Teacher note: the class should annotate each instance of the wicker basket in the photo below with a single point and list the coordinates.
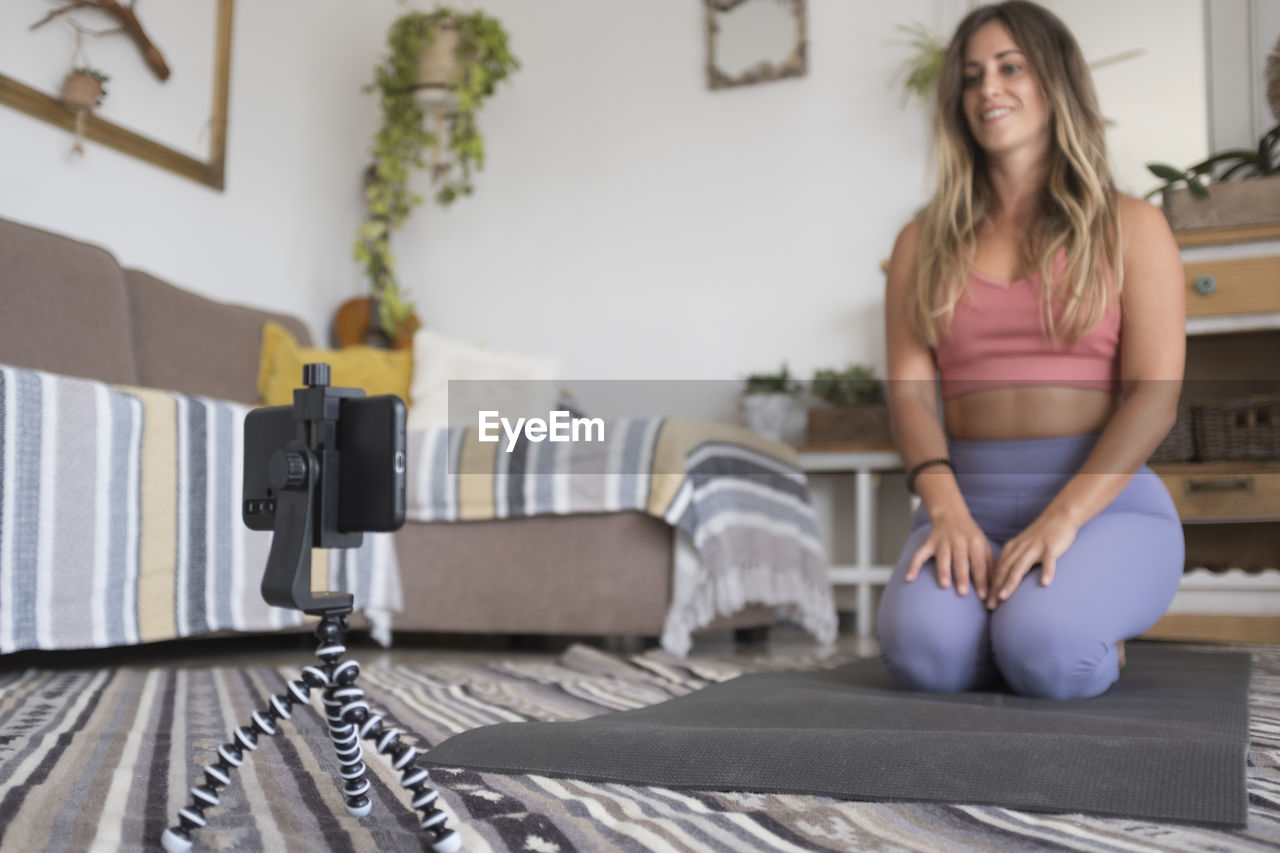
(1242, 428)
(1178, 445)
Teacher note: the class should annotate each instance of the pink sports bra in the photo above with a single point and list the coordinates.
(998, 339)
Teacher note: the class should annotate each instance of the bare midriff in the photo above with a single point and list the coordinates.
(1034, 411)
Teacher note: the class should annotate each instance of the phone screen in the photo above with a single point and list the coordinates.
(371, 441)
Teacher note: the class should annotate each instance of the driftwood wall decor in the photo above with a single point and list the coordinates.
(49, 108)
(129, 25)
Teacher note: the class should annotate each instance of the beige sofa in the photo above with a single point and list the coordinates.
(68, 307)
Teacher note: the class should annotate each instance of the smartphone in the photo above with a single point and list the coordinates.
(371, 478)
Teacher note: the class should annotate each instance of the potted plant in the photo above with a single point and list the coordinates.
(851, 408)
(84, 88)
(768, 405)
(440, 68)
(1243, 188)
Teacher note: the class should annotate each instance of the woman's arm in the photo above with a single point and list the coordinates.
(1153, 351)
(912, 388)
(956, 542)
(1153, 346)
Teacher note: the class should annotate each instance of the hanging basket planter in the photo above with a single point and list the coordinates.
(82, 90)
(438, 66)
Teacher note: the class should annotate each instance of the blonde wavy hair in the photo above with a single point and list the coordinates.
(1078, 208)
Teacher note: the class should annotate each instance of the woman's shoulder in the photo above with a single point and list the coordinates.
(1146, 239)
(1140, 221)
(904, 247)
(909, 236)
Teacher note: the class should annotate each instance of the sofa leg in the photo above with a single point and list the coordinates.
(757, 636)
(629, 644)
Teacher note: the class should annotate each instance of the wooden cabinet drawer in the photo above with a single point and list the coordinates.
(1239, 286)
(1222, 491)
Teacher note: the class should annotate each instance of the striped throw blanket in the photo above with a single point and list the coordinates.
(120, 521)
(740, 499)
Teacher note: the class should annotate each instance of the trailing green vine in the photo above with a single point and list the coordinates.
(403, 140)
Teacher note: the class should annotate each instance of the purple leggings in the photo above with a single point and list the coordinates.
(1056, 642)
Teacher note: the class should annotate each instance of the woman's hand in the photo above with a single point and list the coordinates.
(960, 549)
(1043, 542)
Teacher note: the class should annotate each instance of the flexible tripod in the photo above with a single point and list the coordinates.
(304, 514)
(350, 720)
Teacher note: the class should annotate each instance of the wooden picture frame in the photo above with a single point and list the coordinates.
(211, 173)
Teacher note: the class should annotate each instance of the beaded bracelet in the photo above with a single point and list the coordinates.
(915, 472)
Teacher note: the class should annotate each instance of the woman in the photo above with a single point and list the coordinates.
(1042, 541)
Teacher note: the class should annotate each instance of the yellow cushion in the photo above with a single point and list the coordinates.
(377, 371)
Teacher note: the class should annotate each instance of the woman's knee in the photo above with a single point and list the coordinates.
(934, 655)
(931, 639)
(1050, 661)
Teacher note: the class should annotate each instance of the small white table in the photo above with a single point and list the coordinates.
(863, 574)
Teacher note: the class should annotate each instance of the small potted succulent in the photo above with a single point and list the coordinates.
(851, 408)
(770, 406)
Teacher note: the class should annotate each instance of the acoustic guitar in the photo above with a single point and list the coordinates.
(356, 322)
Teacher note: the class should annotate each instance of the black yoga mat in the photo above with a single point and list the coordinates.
(1166, 742)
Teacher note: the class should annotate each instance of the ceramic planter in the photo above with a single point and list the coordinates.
(773, 416)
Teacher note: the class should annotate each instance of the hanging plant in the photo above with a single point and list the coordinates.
(417, 121)
(919, 73)
(84, 88)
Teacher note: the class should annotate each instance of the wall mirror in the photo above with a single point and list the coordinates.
(754, 41)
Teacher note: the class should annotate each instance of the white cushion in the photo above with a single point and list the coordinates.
(530, 388)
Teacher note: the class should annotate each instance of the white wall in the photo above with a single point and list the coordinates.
(1242, 35)
(1155, 103)
(629, 220)
(639, 225)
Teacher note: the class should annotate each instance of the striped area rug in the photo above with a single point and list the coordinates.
(102, 759)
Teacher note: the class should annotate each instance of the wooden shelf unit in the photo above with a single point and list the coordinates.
(1230, 509)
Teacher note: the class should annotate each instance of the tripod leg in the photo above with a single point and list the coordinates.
(231, 755)
(354, 711)
(346, 742)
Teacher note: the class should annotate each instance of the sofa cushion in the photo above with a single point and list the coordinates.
(64, 307)
(377, 371)
(195, 345)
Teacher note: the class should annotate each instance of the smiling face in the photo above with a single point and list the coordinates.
(1003, 103)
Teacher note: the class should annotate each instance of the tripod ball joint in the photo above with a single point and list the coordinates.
(350, 720)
